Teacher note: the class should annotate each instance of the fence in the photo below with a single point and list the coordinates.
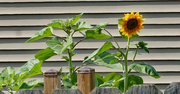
(86, 85)
(173, 88)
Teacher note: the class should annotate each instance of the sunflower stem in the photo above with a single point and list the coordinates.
(126, 68)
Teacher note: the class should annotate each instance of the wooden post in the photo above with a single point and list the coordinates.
(85, 79)
(51, 81)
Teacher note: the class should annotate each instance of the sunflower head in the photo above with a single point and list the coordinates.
(131, 24)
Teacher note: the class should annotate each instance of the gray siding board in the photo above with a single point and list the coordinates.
(149, 30)
(156, 54)
(97, 7)
(39, 20)
(154, 43)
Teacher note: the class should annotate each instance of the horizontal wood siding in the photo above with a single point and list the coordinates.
(21, 19)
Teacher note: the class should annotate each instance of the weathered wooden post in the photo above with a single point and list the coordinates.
(85, 79)
(52, 81)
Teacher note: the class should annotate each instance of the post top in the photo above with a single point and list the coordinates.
(51, 72)
(85, 70)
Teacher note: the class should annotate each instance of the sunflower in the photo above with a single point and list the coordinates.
(131, 24)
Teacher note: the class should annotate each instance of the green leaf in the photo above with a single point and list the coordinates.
(132, 80)
(57, 24)
(44, 54)
(126, 38)
(30, 84)
(75, 18)
(55, 44)
(145, 68)
(60, 70)
(143, 46)
(110, 62)
(67, 83)
(66, 58)
(107, 83)
(96, 82)
(46, 32)
(103, 24)
(74, 78)
(82, 26)
(146, 49)
(69, 41)
(112, 76)
(29, 69)
(74, 87)
(92, 34)
(58, 48)
(105, 47)
(7, 74)
(99, 79)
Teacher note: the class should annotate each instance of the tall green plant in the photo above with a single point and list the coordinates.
(58, 45)
(128, 28)
(10, 79)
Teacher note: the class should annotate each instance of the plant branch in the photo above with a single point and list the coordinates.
(134, 58)
(82, 66)
(60, 37)
(78, 43)
(119, 48)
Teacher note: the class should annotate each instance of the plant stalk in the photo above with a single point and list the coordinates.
(126, 68)
(70, 63)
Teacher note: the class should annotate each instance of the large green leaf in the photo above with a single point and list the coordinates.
(105, 47)
(92, 34)
(123, 36)
(75, 18)
(82, 26)
(105, 59)
(55, 44)
(30, 84)
(132, 80)
(112, 76)
(46, 32)
(29, 69)
(7, 74)
(145, 68)
(99, 79)
(69, 41)
(44, 54)
(57, 24)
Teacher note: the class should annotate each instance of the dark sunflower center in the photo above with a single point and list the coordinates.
(132, 23)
